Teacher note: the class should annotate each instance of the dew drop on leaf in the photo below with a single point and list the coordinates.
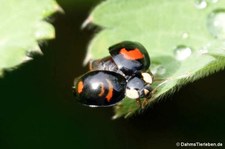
(158, 69)
(216, 23)
(182, 52)
(205, 49)
(200, 4)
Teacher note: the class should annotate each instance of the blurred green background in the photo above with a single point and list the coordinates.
(38, 111)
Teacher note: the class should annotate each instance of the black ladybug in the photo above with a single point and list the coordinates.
(100, 88)
(130, 57)
(127, 57)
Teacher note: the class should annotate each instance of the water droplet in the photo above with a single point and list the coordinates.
(184, 35)
(200, 4)
(182, 52)
(161, 70)
(204, 49)
(157, 69)
(216, 23)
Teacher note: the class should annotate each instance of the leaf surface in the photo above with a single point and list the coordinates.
(22, 26)
(185, 39)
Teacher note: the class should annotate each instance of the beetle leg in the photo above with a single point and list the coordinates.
(146, 100)
(144, 103)
(159, 80)
(90, 65)
(139, 102)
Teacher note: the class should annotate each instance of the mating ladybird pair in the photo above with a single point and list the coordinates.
(110, 79)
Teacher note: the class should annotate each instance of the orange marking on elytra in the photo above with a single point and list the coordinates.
(80, 87)
(132, 54)
(110, 92)
(102, 90)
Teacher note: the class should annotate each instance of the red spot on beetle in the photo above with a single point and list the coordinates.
(132, 54)
(80, 87)
(110, 92)
(102, 90)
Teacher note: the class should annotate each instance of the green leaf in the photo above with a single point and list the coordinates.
(185, 39)
(22, 25)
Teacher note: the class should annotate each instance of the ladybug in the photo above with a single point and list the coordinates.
(126, 58)
(101, 88)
